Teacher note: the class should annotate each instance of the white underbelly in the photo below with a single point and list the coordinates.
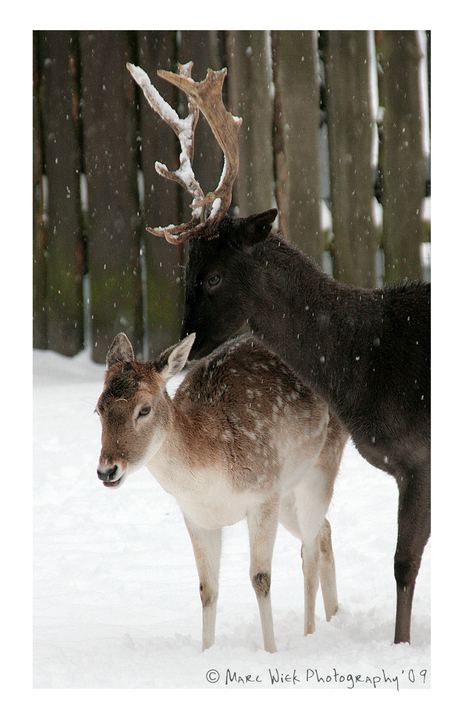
(218, 509)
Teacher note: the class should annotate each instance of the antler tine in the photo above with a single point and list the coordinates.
(208, 97)
(185, 132)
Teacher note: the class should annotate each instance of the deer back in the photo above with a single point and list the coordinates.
(366, 352)
(239, 419)
(253, 414)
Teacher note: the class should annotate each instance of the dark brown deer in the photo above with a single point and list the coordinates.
(366, 352)
(242, 438)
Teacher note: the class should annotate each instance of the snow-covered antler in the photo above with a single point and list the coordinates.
(185, 132)
(207, 97)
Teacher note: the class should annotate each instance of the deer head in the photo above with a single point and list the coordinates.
(223, 280)
(134, 407)
(218, 266)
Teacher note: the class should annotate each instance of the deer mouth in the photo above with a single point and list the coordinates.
(117, 483)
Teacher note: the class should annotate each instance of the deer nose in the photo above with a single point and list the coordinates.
(108, 473)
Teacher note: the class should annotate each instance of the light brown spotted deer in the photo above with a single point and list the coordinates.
(241, 439)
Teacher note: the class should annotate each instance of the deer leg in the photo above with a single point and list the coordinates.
(207, 547)
(413, 533)
(311, 504)
(327, 571)
(262, 526)
(310, 561)
(291, 513)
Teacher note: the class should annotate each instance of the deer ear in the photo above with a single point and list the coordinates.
(177, 358)
(121, 351)
(257, 227)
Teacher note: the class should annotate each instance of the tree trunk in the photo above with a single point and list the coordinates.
(113, 217)
(64, 246)
(205, 49)
(404, 162)
(350, 135)
(296, 140)
(250, 98)
(40, 339)
(162, 198)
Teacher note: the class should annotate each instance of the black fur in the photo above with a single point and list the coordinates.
(366, 352)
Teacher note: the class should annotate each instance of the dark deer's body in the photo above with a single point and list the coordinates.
(242, 439)
(366, 352)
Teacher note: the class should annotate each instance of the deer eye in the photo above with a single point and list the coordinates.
(214, 280)
(145, 410)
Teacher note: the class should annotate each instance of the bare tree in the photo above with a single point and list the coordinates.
(350, 134)
(296, 140)
(404, 162)
(250, 98)
(113, 203)
(63, 254)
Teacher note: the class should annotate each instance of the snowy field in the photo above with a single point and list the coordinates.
(116, 601)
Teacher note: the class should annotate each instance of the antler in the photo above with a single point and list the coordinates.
(185, 131)
(207, 97)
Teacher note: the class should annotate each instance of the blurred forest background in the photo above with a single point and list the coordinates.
(335, 134)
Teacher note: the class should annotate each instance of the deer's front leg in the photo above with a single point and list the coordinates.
(262, 525)
(207, 547)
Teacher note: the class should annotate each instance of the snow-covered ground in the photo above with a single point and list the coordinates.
(116, 601)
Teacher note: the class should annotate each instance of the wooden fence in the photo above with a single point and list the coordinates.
(335, 134)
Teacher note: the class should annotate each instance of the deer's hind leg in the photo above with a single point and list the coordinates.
(311, 505)
(327, 571)
(207, 547)
(414, 526)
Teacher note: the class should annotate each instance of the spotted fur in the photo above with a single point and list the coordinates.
(243, 438)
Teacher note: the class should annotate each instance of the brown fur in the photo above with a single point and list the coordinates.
(242, 438)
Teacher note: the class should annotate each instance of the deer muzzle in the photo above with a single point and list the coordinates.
(110, 474)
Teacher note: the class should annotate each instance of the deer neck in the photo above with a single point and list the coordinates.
(181, 456)
(311, 321)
